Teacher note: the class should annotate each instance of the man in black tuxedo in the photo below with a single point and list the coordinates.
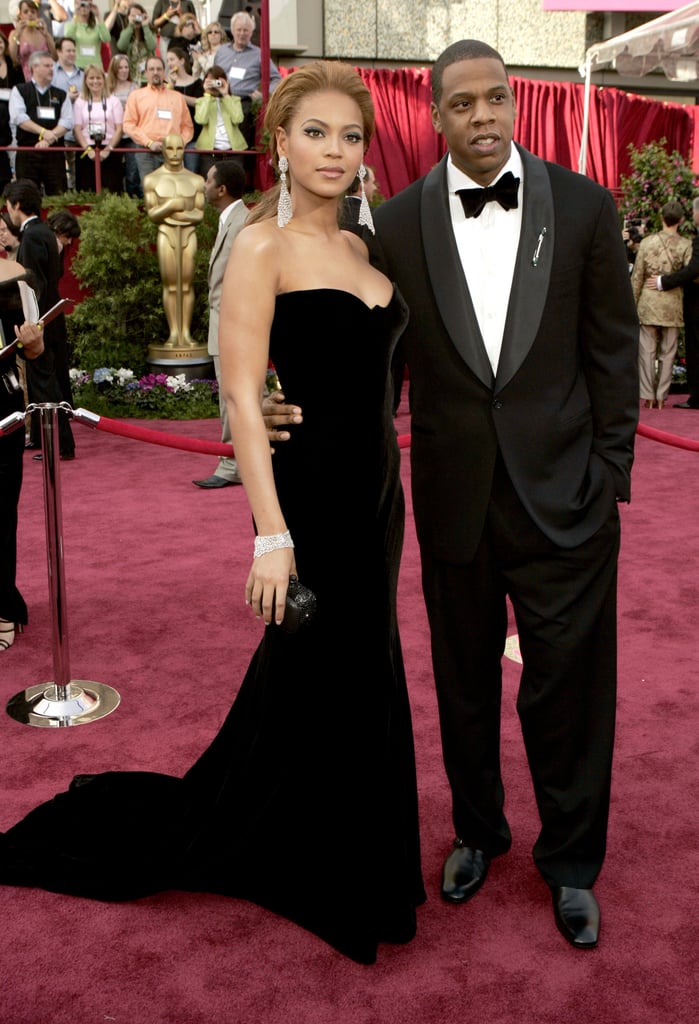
(688, 279)
(522, 352)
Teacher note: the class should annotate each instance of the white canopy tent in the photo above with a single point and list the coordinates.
(669, 44)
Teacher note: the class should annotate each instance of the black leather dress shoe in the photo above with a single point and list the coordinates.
(216, 481)
(684, 405)
(577, 916)
(464, 872)
(68, 457)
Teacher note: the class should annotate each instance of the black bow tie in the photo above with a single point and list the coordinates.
(504, 191)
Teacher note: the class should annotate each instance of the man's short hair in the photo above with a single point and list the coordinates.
(672, 213)
(39, 55)
(60, 42)
(464, 49)
(25, 193)
(243, 16)
(231, 175)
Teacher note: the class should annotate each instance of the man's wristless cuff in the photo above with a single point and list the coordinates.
(272, 542)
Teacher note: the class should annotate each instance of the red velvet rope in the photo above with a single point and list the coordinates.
(188, 444)
(191, 444)
(653, 434)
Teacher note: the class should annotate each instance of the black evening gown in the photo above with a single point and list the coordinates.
(306, 801)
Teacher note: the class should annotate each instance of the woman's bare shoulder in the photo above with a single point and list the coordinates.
(259, 241)
(357, 244)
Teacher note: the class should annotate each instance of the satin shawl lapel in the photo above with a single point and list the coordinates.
(531, 279)
(447, 276)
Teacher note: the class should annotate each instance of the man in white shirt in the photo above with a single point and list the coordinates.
(69, 77)
(42, 115)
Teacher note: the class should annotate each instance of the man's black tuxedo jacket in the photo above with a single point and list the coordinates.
(563, 407)
(38, 253)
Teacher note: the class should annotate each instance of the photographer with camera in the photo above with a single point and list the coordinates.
(138, 42)
(166, 19)
(88, 32)
(31, 35)
(188, 38)
(219, 114)
(97, 123)
(116, 21)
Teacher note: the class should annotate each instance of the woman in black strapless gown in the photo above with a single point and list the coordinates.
(305, 802)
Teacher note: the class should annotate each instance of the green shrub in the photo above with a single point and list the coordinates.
(657, 177)
(116, 266)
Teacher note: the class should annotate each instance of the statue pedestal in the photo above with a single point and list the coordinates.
(195, 363)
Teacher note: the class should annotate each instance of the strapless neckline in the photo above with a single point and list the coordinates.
(337, 291)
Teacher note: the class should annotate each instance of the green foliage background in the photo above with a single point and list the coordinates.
(116, 266)
(657, 176)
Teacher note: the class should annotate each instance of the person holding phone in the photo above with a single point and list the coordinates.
(166, 18)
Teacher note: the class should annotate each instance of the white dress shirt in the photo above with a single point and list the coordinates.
(488, 251)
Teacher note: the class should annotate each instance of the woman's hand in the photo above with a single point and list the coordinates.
(267, 583)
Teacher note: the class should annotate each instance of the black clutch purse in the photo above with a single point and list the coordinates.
(300, 606)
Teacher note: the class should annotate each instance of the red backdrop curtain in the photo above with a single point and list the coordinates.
(549, 123)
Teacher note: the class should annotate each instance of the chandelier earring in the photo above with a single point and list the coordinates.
(365, 218)
(284, 208)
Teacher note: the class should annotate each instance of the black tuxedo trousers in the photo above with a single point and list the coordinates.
(564, 602)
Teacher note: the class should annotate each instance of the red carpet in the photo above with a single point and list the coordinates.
(154, 575)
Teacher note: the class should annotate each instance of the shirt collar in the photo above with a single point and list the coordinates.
(227, 211)
(456, 179)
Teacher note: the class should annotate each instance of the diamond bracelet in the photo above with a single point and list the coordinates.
(272, 542)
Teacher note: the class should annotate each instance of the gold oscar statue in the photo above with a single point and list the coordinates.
(174, 200)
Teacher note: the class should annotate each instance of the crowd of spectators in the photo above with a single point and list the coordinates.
(62, 131)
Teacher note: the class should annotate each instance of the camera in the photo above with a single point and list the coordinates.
(97, 137)
(216, 84)
(85, 3)
(137, 18)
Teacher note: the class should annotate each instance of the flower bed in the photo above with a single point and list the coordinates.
(118, 393)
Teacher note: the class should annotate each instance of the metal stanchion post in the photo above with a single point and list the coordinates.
(62, 702)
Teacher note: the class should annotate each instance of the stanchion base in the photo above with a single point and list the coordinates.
(85, 702)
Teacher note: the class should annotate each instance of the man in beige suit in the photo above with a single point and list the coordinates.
(223, 189)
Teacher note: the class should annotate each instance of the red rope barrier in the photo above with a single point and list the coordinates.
(653, 434)
(191, 444)
(188, 444)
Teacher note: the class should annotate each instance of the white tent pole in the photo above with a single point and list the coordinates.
(582, 161)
